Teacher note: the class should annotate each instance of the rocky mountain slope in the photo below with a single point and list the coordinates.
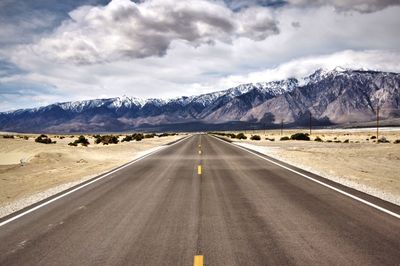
(331, 97)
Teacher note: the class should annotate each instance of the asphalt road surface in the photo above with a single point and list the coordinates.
(226, 204)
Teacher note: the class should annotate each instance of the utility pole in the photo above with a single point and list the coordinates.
(281, 127)
(310, 122)
(377, 123)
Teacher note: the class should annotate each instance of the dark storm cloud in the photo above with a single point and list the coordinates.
(9, 69)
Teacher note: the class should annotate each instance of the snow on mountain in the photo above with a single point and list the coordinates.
(321, 74)
(126, 101)
(78, 106)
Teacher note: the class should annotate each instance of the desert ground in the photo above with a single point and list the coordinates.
(30, 171)
(361, 163)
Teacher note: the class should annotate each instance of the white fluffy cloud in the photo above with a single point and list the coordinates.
(124, 29)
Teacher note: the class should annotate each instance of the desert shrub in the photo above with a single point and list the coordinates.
(112, 139)
(44, 139)
(255, 137)
(329, 140)
(98, 140)
(81, 140)
(346, 141)
(284, 138)
(62, 137)
(127, 138)
(270, 139)
(137, 136)
(337, 141)
(134, 136)
(318, 139)
(107, 139)
(397, 141)
(149, 136)
(241, 136)
(383, 140)
(26, 137)
(300, 136)
(165, 135)
(8, 136)
(373, 137)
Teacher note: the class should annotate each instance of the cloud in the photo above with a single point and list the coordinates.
(124, 29)
(8, 69)
(27, 21)
(304, 66)
(364, 6)
(239, 4)
(24, 29)
(243, 50)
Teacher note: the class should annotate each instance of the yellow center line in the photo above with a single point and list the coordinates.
(198, 260)
(199, 169)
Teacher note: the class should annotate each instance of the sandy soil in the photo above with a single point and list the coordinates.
(361, 164)
(28, 168)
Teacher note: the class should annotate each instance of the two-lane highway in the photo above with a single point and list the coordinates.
(202, 196)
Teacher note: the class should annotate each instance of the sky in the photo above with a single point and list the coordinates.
(57, 51)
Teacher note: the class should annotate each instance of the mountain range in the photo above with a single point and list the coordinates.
(335, 97)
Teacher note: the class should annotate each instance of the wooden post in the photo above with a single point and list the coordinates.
(281, 127)
(377, 123)
(310, 122)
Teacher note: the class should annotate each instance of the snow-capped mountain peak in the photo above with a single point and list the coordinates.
(339, 95)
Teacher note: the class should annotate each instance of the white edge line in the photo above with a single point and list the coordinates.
(319, 182)
(89, 183)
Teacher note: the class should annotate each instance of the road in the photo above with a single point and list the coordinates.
(241, 210)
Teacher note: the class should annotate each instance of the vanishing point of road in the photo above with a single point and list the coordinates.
(203, 200)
